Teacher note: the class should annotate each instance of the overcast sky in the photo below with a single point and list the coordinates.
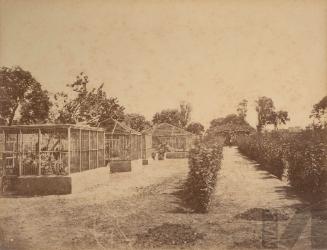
(154, 54)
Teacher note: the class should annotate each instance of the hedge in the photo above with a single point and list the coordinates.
(204, 163)
(301, 156)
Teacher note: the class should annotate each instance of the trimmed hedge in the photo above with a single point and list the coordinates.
(204, 164)
(269, 149)
(307, 162)
(302, 156)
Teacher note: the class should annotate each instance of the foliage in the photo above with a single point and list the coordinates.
(242, 109)
(91, 107)
(177, 117)
(268, 149)
(36, 106)
(307, 170)
(137, 122)
(185, 113)
(170, 116)
(204, 164)
(319, 114)
(302, 155)
(195, 128)
(20, 91)
(267, 114)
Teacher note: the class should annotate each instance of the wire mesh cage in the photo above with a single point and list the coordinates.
(50, 149)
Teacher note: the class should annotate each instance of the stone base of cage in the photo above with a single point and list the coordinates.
(145, 162)
(176, 155)
(42, 185)
(117, 166)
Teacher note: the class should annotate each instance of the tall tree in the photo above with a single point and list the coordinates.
(195, 128)
(91, 107)
(137, 122)
(265, 109)
(177, 117)
(242, 109)
(171, 116)
(19, 91)
(280, 117)
(319, 114)
(267, 114)
(185, 113)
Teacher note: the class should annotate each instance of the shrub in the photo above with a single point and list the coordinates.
(269, 149)
(307, 162)
(204, 164)
(302, 155)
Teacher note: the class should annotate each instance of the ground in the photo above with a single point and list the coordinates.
(120, 214)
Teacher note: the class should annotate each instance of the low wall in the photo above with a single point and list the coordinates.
(176, 155)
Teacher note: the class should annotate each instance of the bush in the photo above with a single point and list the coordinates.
(307, 162)
(204, 164)
(269, 149)
(301, 155)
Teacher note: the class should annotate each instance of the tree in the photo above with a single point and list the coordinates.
(21, 95)
(195, 128)
(36, 106)
(171, 116)
(267, 114)
(179, 118)
(319, 114)
(242, 109)
(280, 117)
(91, 107)
(137, 122)
(185, 113)
(265, 109)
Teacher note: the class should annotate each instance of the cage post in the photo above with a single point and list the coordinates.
(80, 150)
(20, 152)
(39, 149)
(104, 149)
(97, 149)
(68, 156)
(89, 149)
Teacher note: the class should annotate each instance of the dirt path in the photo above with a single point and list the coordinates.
(111, 216)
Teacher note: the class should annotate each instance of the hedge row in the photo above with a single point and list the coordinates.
(301, 156)
(204, 163)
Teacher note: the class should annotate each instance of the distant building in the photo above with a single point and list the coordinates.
(296, 129)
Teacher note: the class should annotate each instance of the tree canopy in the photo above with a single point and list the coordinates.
(137, 122)
(177, 117)
(319, 114)
(23, 97)
(91, 107)
(195, 128)
(267, 115)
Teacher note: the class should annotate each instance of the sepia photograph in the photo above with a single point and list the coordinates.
(173, 124)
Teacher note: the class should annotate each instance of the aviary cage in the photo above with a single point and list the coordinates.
(50, 149)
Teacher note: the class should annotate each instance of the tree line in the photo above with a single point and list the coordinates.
(23, 100)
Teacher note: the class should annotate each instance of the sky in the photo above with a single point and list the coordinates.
(153, 54)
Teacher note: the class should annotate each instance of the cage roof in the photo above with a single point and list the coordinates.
(115, 127)
(166, 129)
(49, 127)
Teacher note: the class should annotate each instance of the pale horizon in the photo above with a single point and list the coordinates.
(153, 55)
